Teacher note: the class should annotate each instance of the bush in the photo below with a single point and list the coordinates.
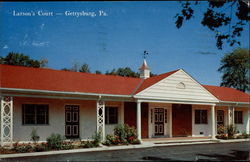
(41, 147)
(123, 134)
(222, 136)
(22, 148)
(243, 136)
(34, 136)
(96, 139)
(231, 131)
(112, 140)
(55, 141)
(6, 150)
(87, 144)
(136, 141)
(221, 129)
(121, 131)
(67, 146)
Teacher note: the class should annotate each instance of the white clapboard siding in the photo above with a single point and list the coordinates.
(168, 89)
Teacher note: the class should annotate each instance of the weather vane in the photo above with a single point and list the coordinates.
(145, 54)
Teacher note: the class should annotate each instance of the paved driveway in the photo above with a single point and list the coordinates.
(221, 152)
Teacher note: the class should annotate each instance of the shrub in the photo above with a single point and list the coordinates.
(221, 129)
(34, 136)
(222, 136)
(67, 146)
(96, 139)
(131, 134)
(243, 135)
(55, 141)
(136, 141)
(123, 134)
(87, 144)
(231, 131)
(41, 147)
(6, 150)
(108, 140)
(22, 148)
(112, 139)
(121, 131)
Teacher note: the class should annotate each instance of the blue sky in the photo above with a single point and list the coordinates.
(116, 40)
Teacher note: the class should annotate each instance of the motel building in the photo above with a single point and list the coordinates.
(77, 104)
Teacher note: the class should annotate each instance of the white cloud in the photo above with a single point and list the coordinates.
(23, 43)
(40, 44)
(5, 46)
(26, 36)
(42, 26)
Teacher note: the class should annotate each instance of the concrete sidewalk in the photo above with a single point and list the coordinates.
(145, 144)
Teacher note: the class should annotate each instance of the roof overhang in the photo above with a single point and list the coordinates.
(233, 103)
(173, 101)
(62, 95)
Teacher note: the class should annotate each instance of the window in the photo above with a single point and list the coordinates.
(238, 115)
(111, 115)
(35, 114)
(200, 116)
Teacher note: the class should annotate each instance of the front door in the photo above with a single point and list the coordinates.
(220, 121)
(72, 121)
(181, 120)
(159, 121)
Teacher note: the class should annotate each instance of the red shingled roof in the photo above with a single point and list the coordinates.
(228, 94)
(57, 80)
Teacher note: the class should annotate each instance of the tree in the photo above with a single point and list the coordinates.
(76, 67)
(113, 72)
(126, 72)
(43, 63)
(235, 67)
(225, 18)
(98, 72)
(22, 60)
(84, 68)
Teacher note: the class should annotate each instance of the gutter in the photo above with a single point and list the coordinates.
(60, 92)
(233, 102)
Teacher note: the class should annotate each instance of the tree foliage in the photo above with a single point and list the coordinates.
(20, 59)
(98, 72)
(235, 67)
(76, 67)
(126, 72)
(84, 68)
(219, 15)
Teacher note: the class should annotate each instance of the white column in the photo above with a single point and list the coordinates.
(100, 116)
(138, 120)
(6, 126)
(170, 122)
(231, 115)
(1, 107)
(122, 113)
(213, 120)
(248, 121)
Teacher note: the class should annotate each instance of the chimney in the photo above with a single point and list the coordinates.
(144, 70)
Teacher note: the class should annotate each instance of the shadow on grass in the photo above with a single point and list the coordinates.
(234, 155)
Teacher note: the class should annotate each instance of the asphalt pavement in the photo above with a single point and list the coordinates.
(200, 152)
